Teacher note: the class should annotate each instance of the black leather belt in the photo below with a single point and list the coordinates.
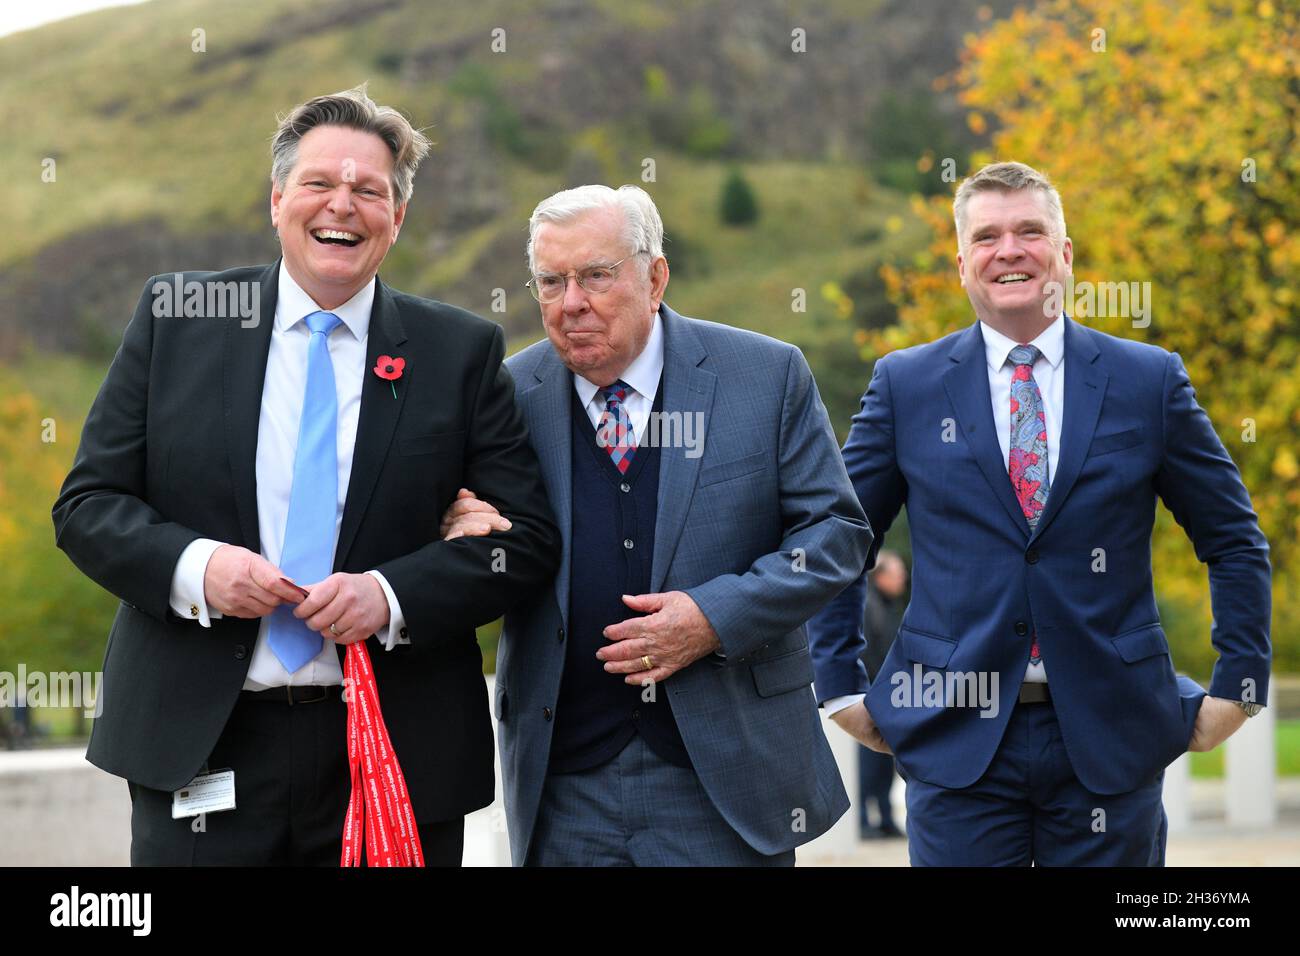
(309, 694)
(1035, 693)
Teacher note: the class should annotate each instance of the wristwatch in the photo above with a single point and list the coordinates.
(1250, 709)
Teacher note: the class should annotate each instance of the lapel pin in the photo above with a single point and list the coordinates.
(389, 368)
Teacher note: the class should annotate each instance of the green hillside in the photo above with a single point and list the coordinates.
(161, 159)
(161, 162)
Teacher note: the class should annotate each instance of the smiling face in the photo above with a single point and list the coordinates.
(598, 334)
(336, 215)
(1007, 258)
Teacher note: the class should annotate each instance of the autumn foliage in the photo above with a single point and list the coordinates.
(1170, 129)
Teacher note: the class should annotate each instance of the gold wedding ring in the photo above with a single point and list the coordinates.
(646, 663)
(335, 631)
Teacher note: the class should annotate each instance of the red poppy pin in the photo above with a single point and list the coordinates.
(389, 368)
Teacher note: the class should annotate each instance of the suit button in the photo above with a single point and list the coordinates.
(559, 635)
(627, 543)
(1031, 556)
(240, 652)
(546, 713)
(625, 487)
(636, 715)
(1022, 628)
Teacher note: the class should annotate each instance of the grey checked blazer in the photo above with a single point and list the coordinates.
(761, 530)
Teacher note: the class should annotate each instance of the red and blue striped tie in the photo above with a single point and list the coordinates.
(614, 430)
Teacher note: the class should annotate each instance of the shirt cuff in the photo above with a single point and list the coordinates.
(396, 623)
(835, 704)
(187, 598)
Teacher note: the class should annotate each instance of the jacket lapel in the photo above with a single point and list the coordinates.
(688, 389)
(377, 418)
(243, 375)
(546, 404)
(1085, 386)
(967, 385)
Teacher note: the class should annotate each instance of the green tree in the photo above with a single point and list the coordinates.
(738, 206)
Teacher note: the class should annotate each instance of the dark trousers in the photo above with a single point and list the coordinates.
(875, 778)
(1030, 808)
(291, 795)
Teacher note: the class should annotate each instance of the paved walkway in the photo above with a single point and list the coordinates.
(57, 810)
(1209, 841)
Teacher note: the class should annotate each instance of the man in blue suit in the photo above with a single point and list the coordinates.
(655, 707)
(1030, 698)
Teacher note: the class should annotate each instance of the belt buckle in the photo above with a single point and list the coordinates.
(289, 690)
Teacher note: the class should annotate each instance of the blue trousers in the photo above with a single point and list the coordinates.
(1029, 808)
(636, 810)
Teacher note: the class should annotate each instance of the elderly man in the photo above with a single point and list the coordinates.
(1030, 697)
(316, 439)
(655, 706)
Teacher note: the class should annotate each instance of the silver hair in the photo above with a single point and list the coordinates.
(352, 109)
(1007, 177)
(643, 230)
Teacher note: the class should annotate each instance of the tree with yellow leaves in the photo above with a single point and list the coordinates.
(1170, 130)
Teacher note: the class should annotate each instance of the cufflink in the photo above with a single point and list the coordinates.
(402, 632)
(194, 610)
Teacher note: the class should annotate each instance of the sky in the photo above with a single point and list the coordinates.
(24, 16)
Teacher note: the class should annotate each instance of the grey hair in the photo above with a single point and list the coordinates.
(643, 230)
(1007, 177)
(352, 109)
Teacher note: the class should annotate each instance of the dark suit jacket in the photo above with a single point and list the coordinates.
(167, 456)
(1131, 432)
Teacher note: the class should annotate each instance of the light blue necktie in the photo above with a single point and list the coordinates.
(308, 553)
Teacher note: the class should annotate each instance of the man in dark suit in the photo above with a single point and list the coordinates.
(654, 706)
(317, 439)
(887, 584)
(1030, 697)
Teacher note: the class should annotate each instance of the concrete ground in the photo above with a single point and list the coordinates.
(57, 810)
(1208, 842)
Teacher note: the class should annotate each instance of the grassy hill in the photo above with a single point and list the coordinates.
(161, 151)
(161, 160)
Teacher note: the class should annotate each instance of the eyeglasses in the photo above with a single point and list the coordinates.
(549, 287)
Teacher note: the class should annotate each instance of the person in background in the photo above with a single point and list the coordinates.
(887, 588)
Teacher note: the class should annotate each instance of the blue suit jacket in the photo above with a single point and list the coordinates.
(761, 530)
(1131, 431)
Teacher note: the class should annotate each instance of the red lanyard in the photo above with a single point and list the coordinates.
(378, 787)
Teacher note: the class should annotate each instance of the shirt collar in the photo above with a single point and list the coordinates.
(292, 305)
(644, 372)
(1051, 342)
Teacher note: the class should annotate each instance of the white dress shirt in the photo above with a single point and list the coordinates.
(1049, 373)
(277, 442)
(643, 375)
